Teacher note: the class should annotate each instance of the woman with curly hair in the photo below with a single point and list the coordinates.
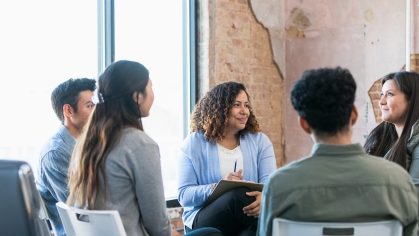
(225, 134)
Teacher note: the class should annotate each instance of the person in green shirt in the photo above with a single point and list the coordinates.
(338, 181)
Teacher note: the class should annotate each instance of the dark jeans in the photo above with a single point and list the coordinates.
(226, 214)
(206, 231)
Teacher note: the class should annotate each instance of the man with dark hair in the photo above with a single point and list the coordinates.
(72, 103)
(338, 181)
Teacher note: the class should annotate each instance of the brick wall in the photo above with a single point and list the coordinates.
(239, 49)
(414, 62)
(375, 94)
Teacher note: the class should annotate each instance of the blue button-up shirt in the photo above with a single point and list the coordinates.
(52, 174)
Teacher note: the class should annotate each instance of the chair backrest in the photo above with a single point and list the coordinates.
(282, 227)
(79, 222)
(20, 202)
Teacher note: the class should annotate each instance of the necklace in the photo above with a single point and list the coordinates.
(226, 151)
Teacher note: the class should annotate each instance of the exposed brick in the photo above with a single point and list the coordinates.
(414, 62)
(243, 8)
(243, 17)
(232, 15)
(238, 42)
(230, 59)
(240, 50)
(236, 25)
(244, 61)
(221, 4)
(375, 96)
(231, 5)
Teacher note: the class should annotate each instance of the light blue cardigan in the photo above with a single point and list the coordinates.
(199, 167)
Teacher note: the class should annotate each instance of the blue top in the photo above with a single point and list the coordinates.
(52, 173)
(199, 167)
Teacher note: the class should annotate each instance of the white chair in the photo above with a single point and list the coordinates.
(78, 222)
(282, 227)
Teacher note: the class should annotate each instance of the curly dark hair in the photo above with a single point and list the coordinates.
(210, 115)
(325, 98)
(68, 92)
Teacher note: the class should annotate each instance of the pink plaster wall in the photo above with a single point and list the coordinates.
(415, 27)
(367, 37)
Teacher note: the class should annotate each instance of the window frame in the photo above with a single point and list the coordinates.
(106, 50)
(106, 56)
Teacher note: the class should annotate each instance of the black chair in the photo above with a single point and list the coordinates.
(20, 204)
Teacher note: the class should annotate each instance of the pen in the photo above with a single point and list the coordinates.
(235, 164)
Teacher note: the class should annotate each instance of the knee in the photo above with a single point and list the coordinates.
(239, 190)
(239, 196)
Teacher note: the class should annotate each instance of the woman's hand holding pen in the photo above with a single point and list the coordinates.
(235, 175)
(254, 208)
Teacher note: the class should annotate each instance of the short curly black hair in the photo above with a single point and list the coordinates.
(325, 98)
(68, 93)
(210, 115)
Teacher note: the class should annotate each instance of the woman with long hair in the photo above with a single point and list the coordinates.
(397, 137)
(226, 142)
(115, 164)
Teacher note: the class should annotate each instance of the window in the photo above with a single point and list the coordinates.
(43, 43)
(46, 42)
(151, 32)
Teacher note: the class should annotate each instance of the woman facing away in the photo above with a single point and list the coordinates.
(115, 164)
(225, 131)
(397, 137)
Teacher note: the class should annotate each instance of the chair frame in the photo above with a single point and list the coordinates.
(99, 222)
(283, 227)
(21, 209)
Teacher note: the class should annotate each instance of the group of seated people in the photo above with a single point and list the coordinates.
(101, 158)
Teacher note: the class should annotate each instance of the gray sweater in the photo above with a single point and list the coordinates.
(135, 185)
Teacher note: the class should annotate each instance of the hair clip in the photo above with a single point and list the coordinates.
(97, 98)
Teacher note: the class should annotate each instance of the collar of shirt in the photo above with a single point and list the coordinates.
(67, 137)
(340, 150)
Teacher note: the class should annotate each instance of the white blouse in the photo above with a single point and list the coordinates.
(227, 159)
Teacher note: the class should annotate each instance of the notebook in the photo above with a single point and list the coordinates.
(224, 186)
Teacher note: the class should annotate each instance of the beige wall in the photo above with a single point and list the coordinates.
(267, 44)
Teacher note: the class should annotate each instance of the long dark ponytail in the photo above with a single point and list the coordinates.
(116, 110)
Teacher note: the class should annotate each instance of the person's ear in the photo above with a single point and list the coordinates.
(68, 111)
(304, 125)
(354, 115)
(138, 97)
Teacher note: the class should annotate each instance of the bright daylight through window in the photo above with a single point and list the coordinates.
(46, 42)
